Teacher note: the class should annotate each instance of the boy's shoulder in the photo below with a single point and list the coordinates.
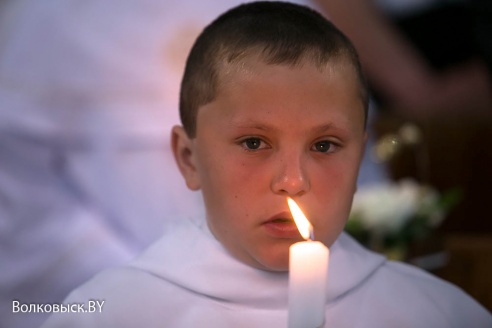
(108, 299)
(419, 280)
(128, 296)
(390, 294)
(406, 290)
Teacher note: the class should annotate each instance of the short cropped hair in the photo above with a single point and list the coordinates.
(280, 32)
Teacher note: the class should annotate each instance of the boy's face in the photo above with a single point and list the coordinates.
(271, 132)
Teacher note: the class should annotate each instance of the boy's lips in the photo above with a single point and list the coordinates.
(281, 225)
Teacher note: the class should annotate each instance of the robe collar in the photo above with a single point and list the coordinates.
(190, 257)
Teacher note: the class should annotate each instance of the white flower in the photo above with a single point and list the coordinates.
(385, 208)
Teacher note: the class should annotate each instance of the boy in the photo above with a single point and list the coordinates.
(273, 104)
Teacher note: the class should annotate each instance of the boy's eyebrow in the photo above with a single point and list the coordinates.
(324, 127)
(253, 125)
(268, 127)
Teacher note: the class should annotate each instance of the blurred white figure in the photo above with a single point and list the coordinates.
(88, 93)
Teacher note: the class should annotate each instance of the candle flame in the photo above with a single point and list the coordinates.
(302, 223)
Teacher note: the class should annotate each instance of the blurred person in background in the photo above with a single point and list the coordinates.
(88, 93)
(423, 58)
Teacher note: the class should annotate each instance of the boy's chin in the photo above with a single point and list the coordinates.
(272, 257)
(272, 264)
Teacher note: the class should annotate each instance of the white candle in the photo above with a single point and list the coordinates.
(308, 268)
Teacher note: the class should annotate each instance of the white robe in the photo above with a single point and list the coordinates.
(187, 279)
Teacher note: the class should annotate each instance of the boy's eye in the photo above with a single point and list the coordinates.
(252, 143)
(324, 146)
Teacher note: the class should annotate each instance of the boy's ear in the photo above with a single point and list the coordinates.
(184, 155)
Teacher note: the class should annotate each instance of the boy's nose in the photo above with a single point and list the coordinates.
(291, 178)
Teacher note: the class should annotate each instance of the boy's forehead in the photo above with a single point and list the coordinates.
(255, 71)
(254, 67)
